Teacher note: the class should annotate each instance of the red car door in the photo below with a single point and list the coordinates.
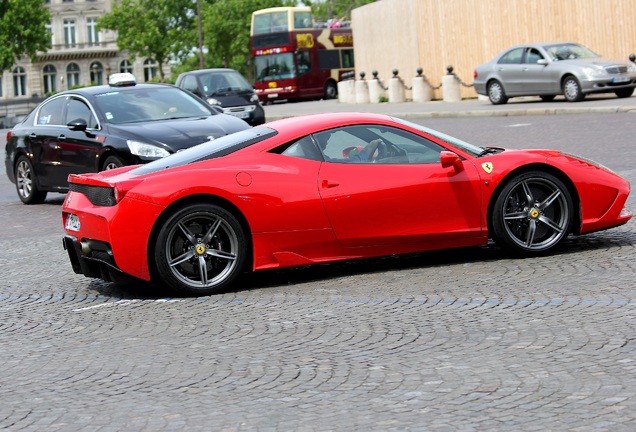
(375, 204)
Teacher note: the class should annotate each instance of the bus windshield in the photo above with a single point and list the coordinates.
(274, 67)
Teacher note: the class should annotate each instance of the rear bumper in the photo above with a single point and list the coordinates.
(94, 260)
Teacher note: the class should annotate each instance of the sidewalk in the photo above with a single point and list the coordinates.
(604, 103)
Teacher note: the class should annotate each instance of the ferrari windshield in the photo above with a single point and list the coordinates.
(462, 145)
(143, 104)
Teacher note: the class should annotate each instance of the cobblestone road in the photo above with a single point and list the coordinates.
(463, 340)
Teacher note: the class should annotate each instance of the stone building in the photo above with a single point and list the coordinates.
(80, 55)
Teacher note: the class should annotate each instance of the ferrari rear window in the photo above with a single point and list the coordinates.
(209, 150)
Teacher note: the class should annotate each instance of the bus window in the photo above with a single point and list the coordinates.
(329, 59)
(347, 58)
(303, 59)
(273, 67)
(302, 20)
(270, 23)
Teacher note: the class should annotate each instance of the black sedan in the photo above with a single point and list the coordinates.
(103, 127)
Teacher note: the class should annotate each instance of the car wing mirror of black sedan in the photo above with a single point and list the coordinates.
(450, 159)
(78, 124)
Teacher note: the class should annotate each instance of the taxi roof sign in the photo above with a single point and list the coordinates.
(122, 79)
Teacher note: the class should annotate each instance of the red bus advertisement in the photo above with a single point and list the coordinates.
(293, 59)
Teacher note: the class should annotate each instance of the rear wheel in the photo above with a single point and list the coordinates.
(572, 90)
(200, 249)
(331, 91)
(624, 93)
(496, 93)
(532, 214)
(26, 182)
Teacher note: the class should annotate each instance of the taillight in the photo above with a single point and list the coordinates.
(475, 74)
(9, 134)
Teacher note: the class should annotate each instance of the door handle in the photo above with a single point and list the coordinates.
(32, 135)
(328, 184)
(61, 137)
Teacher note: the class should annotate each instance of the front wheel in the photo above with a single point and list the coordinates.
(572, 90)
(532, 214)
(200, 249)
(26, 182)
(112, 162)
(331, 91)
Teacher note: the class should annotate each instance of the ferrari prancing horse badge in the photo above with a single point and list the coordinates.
(487, 166)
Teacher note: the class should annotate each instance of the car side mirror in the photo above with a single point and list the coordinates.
(78, 124)
(449, 159)
(542, 62)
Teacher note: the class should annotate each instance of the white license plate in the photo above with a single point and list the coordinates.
(272, 95)
(72, 222)
(239, 114)
(620, 79)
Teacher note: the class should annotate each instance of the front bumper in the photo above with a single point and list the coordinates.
(608, 84)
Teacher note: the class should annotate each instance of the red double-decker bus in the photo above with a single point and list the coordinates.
(293, 59)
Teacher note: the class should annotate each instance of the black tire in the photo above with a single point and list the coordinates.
(572, 89)
(624, 93)
(547, 98)
(532, 214)
(331, 90)
(200, 236)
(496, 93)
(112, 162)
(26, 182)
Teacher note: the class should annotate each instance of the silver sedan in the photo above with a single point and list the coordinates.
(551, 69)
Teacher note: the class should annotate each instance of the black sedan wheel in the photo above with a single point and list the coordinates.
(200, 249)
(532, 213)
(572, 90)
(112, 162)
(26, 183)
(496, 93)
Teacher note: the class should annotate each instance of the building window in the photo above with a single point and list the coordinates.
(91, 30)
(49, 28)
(125, 66)
(150, 70)
(72, 75)
(19, 81)
(50, 75)
(69, 33)
(97, 73)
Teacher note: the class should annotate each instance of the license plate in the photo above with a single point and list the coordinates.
(239, 114)
(72, 222)
(620, 79)
(272, 95)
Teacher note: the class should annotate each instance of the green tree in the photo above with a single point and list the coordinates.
(22, 30)
(226, 31)
(160, 30)
(326, 9)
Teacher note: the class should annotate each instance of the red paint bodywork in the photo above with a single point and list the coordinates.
(300, 211)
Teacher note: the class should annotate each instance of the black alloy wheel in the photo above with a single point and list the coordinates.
(201, 249)
(112, 162)
(26, 182)
(532, 213)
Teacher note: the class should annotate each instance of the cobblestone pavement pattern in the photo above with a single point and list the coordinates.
(456, 340)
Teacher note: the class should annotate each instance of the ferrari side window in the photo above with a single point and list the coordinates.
(373, 144)
(304, 148)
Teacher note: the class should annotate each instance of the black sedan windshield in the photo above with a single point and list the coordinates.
(131, 105)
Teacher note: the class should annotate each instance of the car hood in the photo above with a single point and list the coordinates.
(598, 62)
(179, 134)
(233, 99)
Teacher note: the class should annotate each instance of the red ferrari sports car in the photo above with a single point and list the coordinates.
(327, 187)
